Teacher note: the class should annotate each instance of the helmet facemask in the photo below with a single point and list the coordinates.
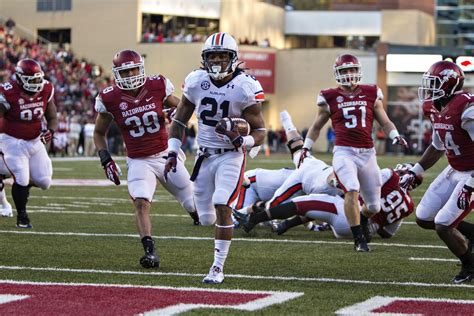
(348, 78)
(132, 82)
(31, 83)
(214, 70)
(431, 88)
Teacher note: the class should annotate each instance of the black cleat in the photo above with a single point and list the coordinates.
(366, 232)
(194, 215)
(150, 260)
(244, 220)
(281, 228)
(360, 245)
(465, 275)
(23, 221)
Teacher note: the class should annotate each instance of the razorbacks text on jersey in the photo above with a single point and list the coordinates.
(395, 202)
(447, 127)
(216, 102)
(352, 114)
(24, 112)
(141, 119)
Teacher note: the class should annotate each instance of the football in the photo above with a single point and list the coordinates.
(228, 124)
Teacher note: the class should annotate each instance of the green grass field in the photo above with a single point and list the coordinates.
(87, 235)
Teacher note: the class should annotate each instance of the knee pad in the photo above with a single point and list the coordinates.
(207, 219)
(373, 208)
(188, 205)
(43, 183)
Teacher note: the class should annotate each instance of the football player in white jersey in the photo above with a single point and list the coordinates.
(217, 91)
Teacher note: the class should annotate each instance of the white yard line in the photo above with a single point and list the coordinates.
(243, 276)
(433, 259)
(257, 240)
(42, 209)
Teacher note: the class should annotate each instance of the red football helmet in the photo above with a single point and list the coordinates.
(443, 79)
(344, 62)
(29, 75)
(128, 59)
(402, 169)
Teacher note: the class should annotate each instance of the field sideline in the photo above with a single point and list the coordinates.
(87, 234)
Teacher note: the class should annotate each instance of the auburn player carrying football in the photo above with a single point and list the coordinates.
(448, 199)
(136, 103)
(217, 91)
(24, 103)
(352, 108)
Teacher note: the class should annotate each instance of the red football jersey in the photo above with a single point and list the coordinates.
(395, 203)
(352, 114)
(25, 112)
(141, 119)
(457, 142)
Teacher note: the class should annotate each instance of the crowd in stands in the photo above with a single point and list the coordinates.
(76, 80)
(155, 33)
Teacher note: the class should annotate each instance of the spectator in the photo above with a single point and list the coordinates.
(73, 136)
(89, 148)
(10, 24)
(330, 136)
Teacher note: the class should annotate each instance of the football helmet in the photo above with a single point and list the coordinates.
(443, 79)
(128, 59)
(344, 62)
(403, 168)
(220, 43)
(29, 75)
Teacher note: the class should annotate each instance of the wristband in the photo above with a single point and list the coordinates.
(174, 144)
(249, 141)
(308, 143)
(417, 169)
(393, 133)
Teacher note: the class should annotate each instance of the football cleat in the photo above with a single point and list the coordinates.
(281, 228)
(194, 215)
(215, 276)
(6, 210)
(23, 221)
(360, 245)
(244, 220)
(465, 275)
(150, 260)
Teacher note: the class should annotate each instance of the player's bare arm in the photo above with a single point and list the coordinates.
(313, 132)
(253, 115)
(183, 114)
(51, 116)
(171, 101)
(387, 125)
(102, 124)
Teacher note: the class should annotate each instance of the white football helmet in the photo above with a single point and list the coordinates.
(216, 43)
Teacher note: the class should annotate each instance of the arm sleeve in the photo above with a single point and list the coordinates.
(379, 94)
(467, 121)
(322, 103)
(436, 142)
(4, 101)
(169, 88)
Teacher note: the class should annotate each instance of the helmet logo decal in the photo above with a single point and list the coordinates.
(448, 73)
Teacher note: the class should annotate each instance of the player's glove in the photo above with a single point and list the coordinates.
(303, 155)
(407, 180)
(399, 140)
(171, 163)
(46, 135)
(112, 170)
(464, 196)
(233, 135)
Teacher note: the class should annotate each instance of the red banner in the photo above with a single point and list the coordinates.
(262, 66)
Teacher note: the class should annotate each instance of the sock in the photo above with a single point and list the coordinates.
(467, 259)
(283, 211)
(3, 196)
(148, 244)
(20, 197)
(357, 232)
(221, 249)
(467, 229)
(285, 119)
(292, 222)
(259, 217)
